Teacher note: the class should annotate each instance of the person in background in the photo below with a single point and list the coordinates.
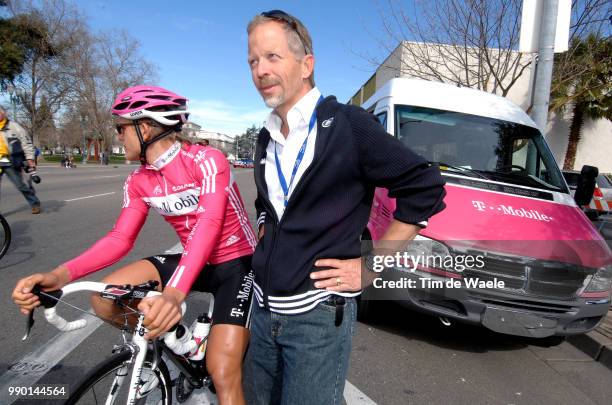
(17, 151)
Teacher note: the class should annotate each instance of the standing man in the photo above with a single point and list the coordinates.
(317, 164)
(16, 150)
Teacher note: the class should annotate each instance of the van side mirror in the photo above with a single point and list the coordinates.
(586, 185)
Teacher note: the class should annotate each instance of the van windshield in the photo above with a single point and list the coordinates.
(470, 144)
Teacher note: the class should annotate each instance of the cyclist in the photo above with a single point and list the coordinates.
(191, 186)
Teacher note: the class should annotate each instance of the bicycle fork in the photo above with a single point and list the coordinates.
(138, 347)
(140, 344)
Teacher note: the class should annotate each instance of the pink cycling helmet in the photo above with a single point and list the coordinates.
(153, 102)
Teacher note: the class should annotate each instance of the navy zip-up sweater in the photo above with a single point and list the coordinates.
(330, 205)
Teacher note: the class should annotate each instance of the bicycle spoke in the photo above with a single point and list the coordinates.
(112, 382)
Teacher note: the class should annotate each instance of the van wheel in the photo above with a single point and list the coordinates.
(592, 215)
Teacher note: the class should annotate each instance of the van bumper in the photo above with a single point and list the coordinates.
(500, 310)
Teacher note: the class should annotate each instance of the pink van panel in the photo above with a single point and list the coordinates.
(506, 223)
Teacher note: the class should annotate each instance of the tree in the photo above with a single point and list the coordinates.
(470, 43)
(70, 132)
(72, 71)
(244, 145)
(20, 38)
(103, 66)
(582, 81)
(43, 76)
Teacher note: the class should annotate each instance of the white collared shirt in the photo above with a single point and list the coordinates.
(288, 148)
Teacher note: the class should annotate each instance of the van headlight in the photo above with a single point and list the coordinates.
(601, 280)
(426, 247)
(426, 253)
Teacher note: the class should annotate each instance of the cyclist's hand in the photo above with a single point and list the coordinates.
(162, 311)
(23, 296)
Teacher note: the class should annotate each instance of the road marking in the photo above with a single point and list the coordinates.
(32, 367)
(89, 196)
(353, 396)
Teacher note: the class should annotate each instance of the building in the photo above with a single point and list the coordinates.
(223, 142)
(190, 129)
(594, 148)
(195, 133)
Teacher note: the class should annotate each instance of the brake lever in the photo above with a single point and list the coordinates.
(29, 324)
(48, 300)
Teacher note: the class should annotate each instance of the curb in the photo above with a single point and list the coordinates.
(596, 345)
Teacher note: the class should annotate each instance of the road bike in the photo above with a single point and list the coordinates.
(5, 230)
(5, 236)
(136, 372)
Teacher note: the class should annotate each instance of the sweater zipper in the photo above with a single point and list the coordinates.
(268, 273)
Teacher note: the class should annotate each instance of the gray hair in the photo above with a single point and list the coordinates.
(298, 38)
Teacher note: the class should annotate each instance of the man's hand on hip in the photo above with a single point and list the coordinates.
(342, 275)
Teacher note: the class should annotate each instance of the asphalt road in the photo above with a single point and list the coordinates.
(402, 358)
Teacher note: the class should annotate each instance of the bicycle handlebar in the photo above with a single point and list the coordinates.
(50, 299)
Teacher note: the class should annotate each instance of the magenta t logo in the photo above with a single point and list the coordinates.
(479, 205)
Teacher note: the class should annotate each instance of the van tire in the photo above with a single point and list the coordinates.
(592, 214)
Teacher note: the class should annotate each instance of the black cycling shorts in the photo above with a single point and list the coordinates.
(231, 283)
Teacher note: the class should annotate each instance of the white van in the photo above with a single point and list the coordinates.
(508, 203)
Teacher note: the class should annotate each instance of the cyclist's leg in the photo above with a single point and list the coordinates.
(224, 354)
(159, 268)
(229, 335)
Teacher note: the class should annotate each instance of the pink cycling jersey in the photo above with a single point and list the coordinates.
(193, 188)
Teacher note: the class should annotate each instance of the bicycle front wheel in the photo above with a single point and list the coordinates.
(109, 383)
(5, 236)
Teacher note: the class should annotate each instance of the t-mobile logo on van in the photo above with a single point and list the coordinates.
(509, 210)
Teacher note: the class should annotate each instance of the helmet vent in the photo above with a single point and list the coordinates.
(138, 104)
(156, 97)
(121, 106)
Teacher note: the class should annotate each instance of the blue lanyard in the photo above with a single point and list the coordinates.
(298, 159)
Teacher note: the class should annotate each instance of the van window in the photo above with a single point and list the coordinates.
(499, 150)
(382, 118)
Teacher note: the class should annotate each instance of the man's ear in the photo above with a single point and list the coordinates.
(307, 66)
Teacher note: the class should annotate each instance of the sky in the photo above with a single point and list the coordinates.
(200, 48)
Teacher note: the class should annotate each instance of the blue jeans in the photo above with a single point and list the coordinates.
(16, 178)
(299, 359)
